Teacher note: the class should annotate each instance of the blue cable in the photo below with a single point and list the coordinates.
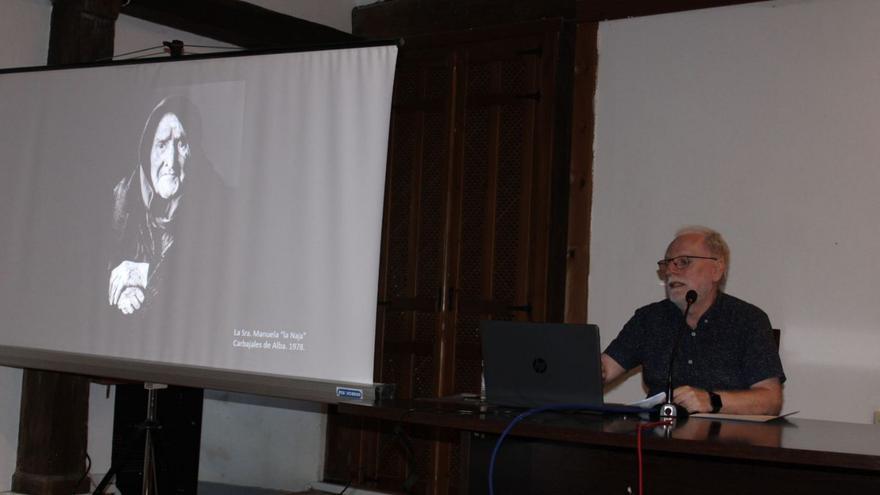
(556, 407)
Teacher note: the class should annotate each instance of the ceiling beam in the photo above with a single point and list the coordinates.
(236, 22)
(604, 10)
(392, 18)
(82, 31)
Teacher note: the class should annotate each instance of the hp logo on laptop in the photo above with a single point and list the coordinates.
(539, 365)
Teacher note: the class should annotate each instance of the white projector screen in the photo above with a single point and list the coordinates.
(211, 222)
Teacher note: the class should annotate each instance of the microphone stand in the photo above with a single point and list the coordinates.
(669, 410)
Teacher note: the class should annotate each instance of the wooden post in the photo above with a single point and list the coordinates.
(52, 433)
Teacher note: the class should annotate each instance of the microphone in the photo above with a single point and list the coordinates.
(669, 409)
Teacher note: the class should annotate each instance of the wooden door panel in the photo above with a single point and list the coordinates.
(412, 287)
(500, 88)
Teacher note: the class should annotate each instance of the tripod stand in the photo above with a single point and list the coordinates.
(150, 428)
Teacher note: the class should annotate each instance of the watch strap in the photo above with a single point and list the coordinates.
(715, 399)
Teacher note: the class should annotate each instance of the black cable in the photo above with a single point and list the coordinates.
(216, 47)
(147, 55)
(164, 51)
(555, 407)
(117, 55)
(399, 435)
(345, 487)
(88, 469)
(398, 438)
(105, 59)
(409, 455)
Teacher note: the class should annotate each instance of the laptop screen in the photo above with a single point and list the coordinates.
(529, 364)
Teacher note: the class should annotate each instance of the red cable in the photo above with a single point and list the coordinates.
(639, 428)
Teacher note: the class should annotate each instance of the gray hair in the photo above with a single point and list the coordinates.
(714, 242)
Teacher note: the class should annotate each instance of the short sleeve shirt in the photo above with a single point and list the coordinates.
(732, 347)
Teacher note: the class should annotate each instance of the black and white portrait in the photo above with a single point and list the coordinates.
(170, 177)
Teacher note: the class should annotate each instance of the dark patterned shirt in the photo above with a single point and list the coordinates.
(732, 347)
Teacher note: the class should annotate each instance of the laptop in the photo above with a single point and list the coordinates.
(527, 364)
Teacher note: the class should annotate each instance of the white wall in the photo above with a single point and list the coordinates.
(246, 440)
(261, 441)
(24, 28)
(10, 405)
(762, 121)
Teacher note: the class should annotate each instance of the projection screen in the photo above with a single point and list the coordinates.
(211, 222)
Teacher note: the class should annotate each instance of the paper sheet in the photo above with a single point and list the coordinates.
(650, 402)
(752, 418)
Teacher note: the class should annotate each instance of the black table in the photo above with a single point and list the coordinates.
(580, 452)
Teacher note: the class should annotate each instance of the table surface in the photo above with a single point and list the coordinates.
(786, 440)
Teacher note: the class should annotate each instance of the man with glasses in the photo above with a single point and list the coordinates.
(726, 359)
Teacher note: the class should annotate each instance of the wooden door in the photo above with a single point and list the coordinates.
(465, 236)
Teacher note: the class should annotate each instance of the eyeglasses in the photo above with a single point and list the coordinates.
(681, 262)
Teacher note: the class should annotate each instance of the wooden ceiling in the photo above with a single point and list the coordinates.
(250, 26)
(236, 22)
(411, 17)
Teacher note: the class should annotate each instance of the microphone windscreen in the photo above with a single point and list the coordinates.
(691, 296)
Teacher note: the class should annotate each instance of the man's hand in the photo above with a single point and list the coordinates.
(130, 300)
(695, 400)
(610, 368)
(127, 274)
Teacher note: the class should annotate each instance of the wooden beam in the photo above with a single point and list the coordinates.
(82, 30)
(580, 194)
(604, 10)
(235, 22)
(394, 18)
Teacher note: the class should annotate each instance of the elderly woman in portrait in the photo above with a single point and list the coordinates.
(148, 203)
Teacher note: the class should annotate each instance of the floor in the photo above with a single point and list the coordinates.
(206, 488)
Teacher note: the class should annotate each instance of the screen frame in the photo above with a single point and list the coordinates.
(102, 368)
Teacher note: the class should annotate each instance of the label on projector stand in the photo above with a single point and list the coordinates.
(349, 393)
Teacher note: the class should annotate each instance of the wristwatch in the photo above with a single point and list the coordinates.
(715, 399)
